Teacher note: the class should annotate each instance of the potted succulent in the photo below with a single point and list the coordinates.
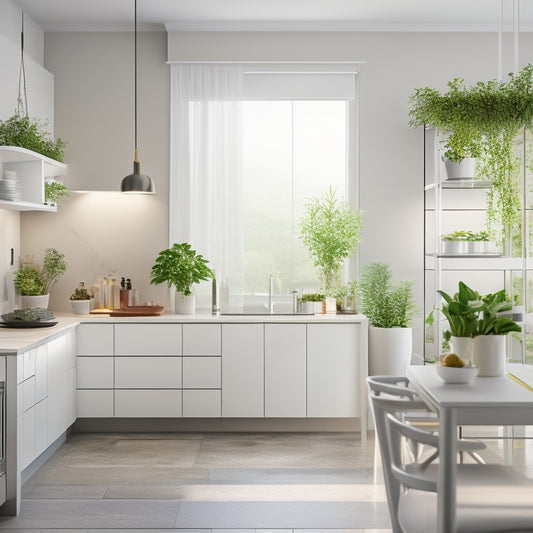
(331, 231)
(313, 303)
(180, 266)
(33, 282)
(80, 300)
(390, 308)
(484, 121)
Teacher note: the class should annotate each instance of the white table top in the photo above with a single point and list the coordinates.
(499, 400)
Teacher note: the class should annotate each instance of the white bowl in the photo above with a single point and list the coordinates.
(452, 374)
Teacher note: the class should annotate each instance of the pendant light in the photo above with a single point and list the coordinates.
(137, 183)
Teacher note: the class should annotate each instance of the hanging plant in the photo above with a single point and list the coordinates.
(484, 121)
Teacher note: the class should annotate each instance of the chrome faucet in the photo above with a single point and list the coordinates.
(270, 293)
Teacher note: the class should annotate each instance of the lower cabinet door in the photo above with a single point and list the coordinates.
(147, 372)
(95, 403)
(41, 427)
(95, 373)
(202, 403)
(147, 403)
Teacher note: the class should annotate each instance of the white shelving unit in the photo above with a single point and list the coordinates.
(460, 204)
(32, 170)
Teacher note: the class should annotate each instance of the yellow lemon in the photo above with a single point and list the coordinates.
(452, 359)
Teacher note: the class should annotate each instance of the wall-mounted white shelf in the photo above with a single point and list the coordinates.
(32, 170)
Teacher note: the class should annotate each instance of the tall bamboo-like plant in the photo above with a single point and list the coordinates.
(331, 231)
(483, 121)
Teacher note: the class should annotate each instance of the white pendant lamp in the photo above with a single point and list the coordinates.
(137, 183)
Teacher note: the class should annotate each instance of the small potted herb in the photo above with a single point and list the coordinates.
(80, 300)
(54, 192)
(466, 242)
(313, 303)
(180, 266)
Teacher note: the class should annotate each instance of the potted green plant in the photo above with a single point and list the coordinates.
(390, 309)
(80, 300)
(180, 266)
(466, 242)
(54, 192)
(331, 231)
(33, 282)
(483, 121)
(30, 133)
(313, 303)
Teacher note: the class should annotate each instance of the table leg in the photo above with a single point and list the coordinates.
(446, 497)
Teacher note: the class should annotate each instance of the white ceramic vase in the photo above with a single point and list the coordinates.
(462, 170)
(389, 350)
(185, 305)
(81, 307)
(488, 354)
(463, 346)
(35, 301)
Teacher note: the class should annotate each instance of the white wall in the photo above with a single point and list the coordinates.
(93, 112)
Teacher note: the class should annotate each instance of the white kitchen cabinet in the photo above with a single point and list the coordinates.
(202, 372)
(148, 403)
(147, 372)
(28, 393)
(148, 339)
(243, 370)
(28, 363)
(58, 384)
(202, 339)
(41, 426)
(333, 362)
(202, 403)
(27, 448)
(95, 339)
(41, 373)
(95, 373)
(32, 170)
(92, 403)
(285, 370)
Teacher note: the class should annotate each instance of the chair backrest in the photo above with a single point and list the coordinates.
(393, 385)
(381, 406)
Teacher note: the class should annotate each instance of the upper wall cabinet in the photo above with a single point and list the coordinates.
(32, 169)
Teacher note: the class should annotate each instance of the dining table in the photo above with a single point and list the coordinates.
(485, 401)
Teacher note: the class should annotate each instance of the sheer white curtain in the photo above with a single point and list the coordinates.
(206, 165)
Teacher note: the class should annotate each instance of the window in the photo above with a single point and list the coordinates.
(297, 139)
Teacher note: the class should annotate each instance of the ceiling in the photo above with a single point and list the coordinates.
(394, 15)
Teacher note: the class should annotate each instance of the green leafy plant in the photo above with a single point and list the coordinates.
(80, 293)
(34, 280)
(313, 297)
(331, 231)
(180, 266)
(491, 323)
(30, 133)
(386, 304)
(54, 192)
(461, 310)
(470, 236)
(484, 121)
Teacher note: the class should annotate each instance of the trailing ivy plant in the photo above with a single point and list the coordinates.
(484, 121)
(31, 133)
(331, 231)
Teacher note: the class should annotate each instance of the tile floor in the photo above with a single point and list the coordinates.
(288, 482)
(264, 482)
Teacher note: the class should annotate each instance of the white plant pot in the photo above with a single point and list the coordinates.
(489, 355)
(319, 308)
(389, 350)
(308, 308)
(185, 305)
(454, 247)
(81, 307)
(463, 347)
(478, 247)
(35, 301)
(458, 171)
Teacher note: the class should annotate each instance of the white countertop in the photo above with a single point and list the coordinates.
(15, 340)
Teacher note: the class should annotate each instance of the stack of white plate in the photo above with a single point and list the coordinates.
(9, 188)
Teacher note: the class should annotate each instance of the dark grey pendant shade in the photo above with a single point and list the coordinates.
(137, 183)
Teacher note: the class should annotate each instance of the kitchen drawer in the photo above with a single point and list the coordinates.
(147, 339)
(41, 427)
(28, 394)
(94, 403)
(202, 372)
(95, 339)
(41, 373)
(202, 339)
(147, 372)
(29, 364)
(148, 403)
(95, 373)
(202, 403)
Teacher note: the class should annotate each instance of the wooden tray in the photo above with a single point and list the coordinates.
(141, 310)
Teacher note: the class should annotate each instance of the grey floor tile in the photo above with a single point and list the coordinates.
(63, 491)
(93, 514)
(285, 515)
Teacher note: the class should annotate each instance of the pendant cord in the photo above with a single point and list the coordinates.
(22, 103)
(135, 71)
